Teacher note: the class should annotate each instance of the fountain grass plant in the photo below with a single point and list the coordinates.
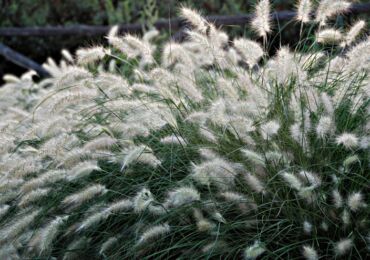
(197, 150)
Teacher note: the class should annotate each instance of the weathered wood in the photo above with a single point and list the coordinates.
(22, 60)
(174, 24)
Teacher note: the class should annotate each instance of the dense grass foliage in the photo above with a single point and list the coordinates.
(196, 150)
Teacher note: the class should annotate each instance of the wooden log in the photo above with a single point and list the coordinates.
(22, 60)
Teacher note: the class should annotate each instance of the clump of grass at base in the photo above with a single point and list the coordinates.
(213, 150)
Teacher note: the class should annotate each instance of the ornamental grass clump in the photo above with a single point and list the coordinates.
(209, 148)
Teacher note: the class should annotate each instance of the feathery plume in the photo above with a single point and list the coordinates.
(142, 200)
(309, 253)
(176, 53)
(150, 35)
(10, 184)
(217, 171)
(337, 199)
(355, 201)
(193, 17)
(174, 139)
(140, 153)
(49, 233)
(365, 142)
(348, 140)
(181, 196)
(208, 135)
(204, 225)
(254, 251)
(270, 129)
(90, 55)
(93, 220)
(233, 196)
(329, 8)
(310, 177)
(44, 179)
(324, 126)
(32, 196)
(343, 246)
(329, 36)
(3, 210)
(254, 157)
(292, 180)
(9, 78)
(101, 143)
(346, 219)
(261, 21)
(84, 195)
(82, 169)
(353, 33)
(254, 183)
(120, 205)
(107, 245)
(250, 51)
(113, 32)
(350, 160)
(75, 248)
(67, 55)
(307, 227)
(18, 226)
(304, 10)
(138, 47)
(154, 232)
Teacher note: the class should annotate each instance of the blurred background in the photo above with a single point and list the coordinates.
(22, 13)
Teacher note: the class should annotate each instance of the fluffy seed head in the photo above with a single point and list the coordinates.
(173, 139)
(348, 140)
(309, 253)
(303, 11)
(324, 126)
(90, 55)
(154, 232)
(82, 169)
(84, 195)
(107, 245)
(343, 246)
(254, 183)
(292, 180)
(3, 210)
(355, 201)
(329, 36)
(93, 220)
(120, 205)
(337, 199)
(329, 8)
(18, 225)
(183, 195)
(193, 17)
(33, 196)
(142, 200)
(254, 157)
(261, 21)
(67, 55)
(250, 51)
(49, 233)
(254, 251)
(353, 33)
(269, 129)
(311, 178)
(307, 227)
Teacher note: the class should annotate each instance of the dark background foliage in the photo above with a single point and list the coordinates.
(21, 13)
